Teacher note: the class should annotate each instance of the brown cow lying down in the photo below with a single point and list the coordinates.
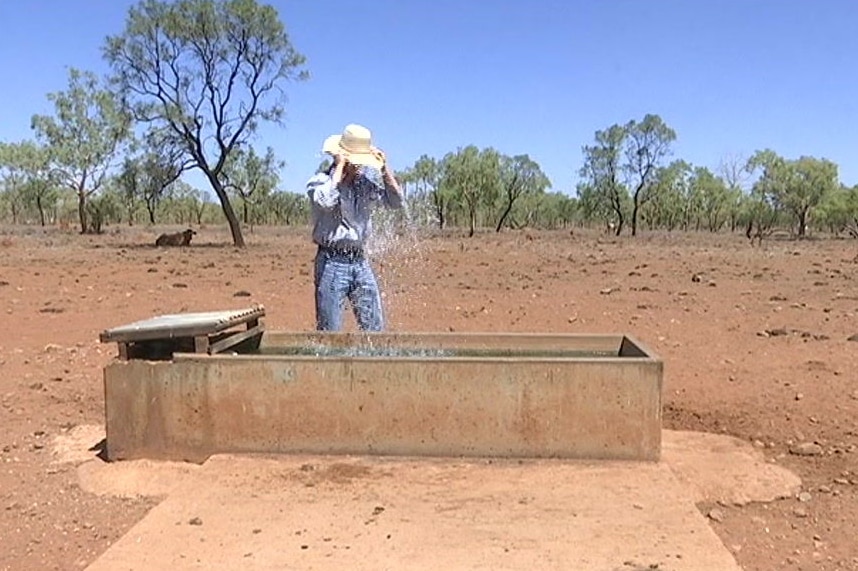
(177, 239)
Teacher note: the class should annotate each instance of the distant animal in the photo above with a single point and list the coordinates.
(176, 239)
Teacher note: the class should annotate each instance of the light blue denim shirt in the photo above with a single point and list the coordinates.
(341, 213)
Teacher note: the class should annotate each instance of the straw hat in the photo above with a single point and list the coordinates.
(356, 144)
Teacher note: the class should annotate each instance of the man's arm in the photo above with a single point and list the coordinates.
(323, 188)
(392, 191)
(322, 191)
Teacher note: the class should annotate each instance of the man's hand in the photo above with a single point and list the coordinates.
(379, 154)
(340, 162)
(387, 175)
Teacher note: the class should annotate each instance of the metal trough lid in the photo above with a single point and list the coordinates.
(182, 325)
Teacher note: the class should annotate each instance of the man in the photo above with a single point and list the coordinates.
(342, 200)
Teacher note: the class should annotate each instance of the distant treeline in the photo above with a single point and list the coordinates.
(190, 81)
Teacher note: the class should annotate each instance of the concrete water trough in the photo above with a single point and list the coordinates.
(412, 394)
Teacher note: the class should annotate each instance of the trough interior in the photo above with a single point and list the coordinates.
(445, 345)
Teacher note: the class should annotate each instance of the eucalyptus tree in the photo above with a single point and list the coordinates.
(794, 186)
(199, 204)
(84, 136)
(678, 198)
(593, 206)
(146, 175)
(714, 197)
(144, 179)
(568, 209)
(838, 211)
(104, 208)
(762, 206)
(11, 180)
(671, 202)
(40, 187)
(472, 176)
(810, 181)
(519, 176)
(647, 145)
(851, 211)
(208, 72)
(732, 169)
(252, 177)
(128, 183)
(602, 191)
(26, 167)
(181, 203)
(289, 208)
(546, 210)
(695, 181)
(427, 173)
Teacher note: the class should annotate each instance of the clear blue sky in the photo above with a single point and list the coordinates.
(536, 77)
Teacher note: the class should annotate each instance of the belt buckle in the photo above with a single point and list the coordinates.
(350, 253)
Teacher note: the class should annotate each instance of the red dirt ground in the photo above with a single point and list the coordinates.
(755, 344)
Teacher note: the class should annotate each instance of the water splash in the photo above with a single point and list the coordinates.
(319, 350)
(397, 246)
(387, 351)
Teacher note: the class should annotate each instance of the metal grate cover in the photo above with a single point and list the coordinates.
(182, 325)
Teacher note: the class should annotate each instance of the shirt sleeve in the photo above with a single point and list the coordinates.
(373, 188)
(389, 198)
(322, 191)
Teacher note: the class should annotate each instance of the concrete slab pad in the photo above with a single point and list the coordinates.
(151, 478)
(324, 512)
(719, 468)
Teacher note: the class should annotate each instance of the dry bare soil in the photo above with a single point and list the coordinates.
(755, 343)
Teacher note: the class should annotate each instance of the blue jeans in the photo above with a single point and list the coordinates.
(339, 276)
